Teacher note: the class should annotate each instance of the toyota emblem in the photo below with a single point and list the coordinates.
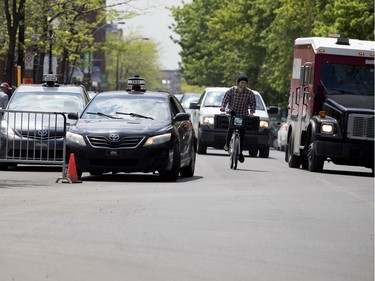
(42, 133)
(114, 137)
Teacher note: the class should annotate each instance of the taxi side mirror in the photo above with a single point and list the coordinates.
(73, 115)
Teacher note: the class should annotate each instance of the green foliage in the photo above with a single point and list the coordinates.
(129, 56)
(186, 88)
(70, 27)
(222, 38)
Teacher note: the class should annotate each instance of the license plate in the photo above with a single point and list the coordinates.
(41, 144)
(238, 121)
(113, 153)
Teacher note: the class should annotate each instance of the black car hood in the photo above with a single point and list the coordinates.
(145, 126)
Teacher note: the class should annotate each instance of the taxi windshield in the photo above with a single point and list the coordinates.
(128, 107)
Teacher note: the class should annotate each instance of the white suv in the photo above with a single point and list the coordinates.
(211, 133)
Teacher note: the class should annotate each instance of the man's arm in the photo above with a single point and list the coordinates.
(253, 103)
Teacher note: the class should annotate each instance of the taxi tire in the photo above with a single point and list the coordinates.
(172, 174)
(188, 171)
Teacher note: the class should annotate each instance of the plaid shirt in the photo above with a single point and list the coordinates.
(239, 102)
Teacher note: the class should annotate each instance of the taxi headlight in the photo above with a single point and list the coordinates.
(158, 139)
(208, 120)
(327, 128)
(75, 138)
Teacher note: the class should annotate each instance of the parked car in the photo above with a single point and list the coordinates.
(274, 128)
(282, 136)
(34, 123)
(133, 131)
(211, 133)
(187, 98)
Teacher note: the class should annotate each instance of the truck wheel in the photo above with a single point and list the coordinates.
(315, 163)
(264, 152)
(293, 160)
(253, 153)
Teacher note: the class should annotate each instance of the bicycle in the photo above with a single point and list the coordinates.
(234, 146)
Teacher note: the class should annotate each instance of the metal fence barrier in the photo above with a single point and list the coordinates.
(33, 138)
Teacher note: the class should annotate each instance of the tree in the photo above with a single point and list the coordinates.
(222, 38)
(129, 56)
(14, 12)
(354, 19)
(77, 21)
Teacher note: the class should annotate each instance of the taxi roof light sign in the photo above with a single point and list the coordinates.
(50, 78)
(136, 83)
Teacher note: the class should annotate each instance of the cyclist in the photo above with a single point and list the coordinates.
(237, 101)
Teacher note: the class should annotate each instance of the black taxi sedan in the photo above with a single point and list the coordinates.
(133, 131)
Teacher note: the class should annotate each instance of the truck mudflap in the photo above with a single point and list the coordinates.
(346, 153)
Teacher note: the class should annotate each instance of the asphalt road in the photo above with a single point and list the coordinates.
(263, 221)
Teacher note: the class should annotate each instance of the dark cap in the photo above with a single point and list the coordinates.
(242, 77)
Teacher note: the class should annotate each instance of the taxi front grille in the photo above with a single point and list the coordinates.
(124, 142)
(33, 136)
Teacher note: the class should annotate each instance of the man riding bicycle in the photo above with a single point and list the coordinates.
(237, 101)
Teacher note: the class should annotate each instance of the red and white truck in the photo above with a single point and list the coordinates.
(331, 103)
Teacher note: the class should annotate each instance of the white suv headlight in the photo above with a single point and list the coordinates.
(208, 120)
(263, 124)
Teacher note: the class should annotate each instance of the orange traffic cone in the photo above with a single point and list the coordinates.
(72, 170)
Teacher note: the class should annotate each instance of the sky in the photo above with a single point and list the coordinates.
(153, 24)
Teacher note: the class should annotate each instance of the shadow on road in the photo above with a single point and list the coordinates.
(133, 177)
(348, 173)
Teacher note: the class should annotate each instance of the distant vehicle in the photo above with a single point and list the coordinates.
(282, 136)
(211, 130)
(187, 98)
(30, 136)
(133, 131)
(274, 128)
(331, 103)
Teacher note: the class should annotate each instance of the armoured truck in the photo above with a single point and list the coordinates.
(331, 103)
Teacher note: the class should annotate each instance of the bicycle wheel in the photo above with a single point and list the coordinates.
(236, 148)
(231, 157)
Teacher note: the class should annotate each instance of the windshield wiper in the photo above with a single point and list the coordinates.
(103, 114)
(135, 115)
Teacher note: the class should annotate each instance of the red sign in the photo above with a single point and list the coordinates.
(28, 80)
